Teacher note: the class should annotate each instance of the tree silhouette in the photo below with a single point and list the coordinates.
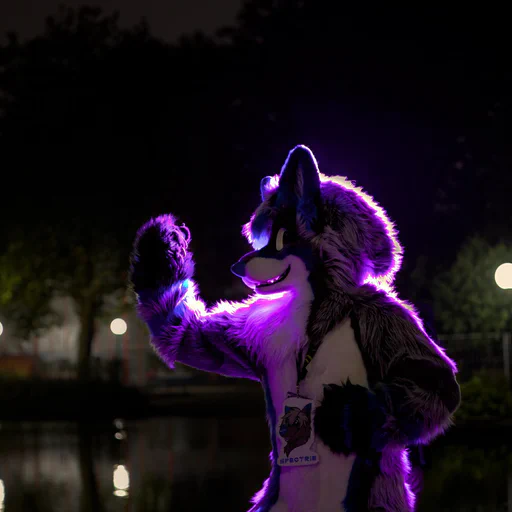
(467, 298)
(60, 106)
(44, 263)
(475, 189)
(101, 128)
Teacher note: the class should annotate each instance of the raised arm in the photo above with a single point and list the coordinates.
(181, 328)
(413, 390)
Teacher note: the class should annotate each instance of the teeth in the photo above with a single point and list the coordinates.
(271, 281)
(274, 279)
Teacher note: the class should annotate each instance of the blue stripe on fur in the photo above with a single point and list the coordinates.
(173, 317)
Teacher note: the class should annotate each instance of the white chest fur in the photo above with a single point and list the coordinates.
(322, 487)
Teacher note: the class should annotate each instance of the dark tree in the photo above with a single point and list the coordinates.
(64, 117)
(102, 128)
(467, 298)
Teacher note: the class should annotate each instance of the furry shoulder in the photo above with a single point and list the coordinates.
(390, 329)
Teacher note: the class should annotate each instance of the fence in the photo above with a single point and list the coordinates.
(475, 352)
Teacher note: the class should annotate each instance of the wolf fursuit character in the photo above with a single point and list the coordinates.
(323, 326)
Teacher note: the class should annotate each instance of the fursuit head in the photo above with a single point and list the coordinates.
(350, 377)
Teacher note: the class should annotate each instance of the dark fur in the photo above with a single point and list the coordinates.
(349, 418)
(161, 246)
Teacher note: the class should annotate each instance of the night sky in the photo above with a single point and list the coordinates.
(106, 123)
(167, 19)
(412, 104)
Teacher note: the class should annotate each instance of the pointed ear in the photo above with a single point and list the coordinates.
(307, 409)
(299, 183)
(263, 187)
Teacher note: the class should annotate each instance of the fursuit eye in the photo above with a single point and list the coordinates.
(282, 239)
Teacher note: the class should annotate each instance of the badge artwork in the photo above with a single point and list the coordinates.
(296, 433)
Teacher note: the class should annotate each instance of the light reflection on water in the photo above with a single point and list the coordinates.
(156, 465)
(193, 464)
(2, 495)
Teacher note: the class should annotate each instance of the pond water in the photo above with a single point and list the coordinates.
(196, 464)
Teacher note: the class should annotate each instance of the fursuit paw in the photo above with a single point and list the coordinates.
(350, 420)
(160, 257)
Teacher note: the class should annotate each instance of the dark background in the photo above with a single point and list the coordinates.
(168, 20)
(412, 103)
(106, 122)
(108, 119)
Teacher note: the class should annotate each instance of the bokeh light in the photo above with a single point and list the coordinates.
(503, 276)
(118, 326)
(2, 492)
(121, 480)
(1, 331)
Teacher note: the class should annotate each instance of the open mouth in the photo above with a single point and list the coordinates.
(275, 280)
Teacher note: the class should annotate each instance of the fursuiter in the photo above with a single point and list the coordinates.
(349, 374)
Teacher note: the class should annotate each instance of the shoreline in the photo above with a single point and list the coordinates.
(74, 401)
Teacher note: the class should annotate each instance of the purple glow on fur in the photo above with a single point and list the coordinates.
(257, 242)
(229, 307)
(381, 214)
(198, 307)
(257, 329)
(411, 311)
(273, 183)
(382, 281)
(262, 493)
(343, 184)
(409, 494)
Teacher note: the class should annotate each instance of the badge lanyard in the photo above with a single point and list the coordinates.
(295, 428)
(302, 370)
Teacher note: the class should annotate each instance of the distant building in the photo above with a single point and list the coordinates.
(53, 353)
(22, 366)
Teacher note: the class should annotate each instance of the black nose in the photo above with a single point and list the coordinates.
(238, 269)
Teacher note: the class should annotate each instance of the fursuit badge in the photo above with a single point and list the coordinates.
(295, 432)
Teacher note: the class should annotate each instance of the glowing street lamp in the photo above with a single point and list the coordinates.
(503, 276)
(121, 479)
(119, 327)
